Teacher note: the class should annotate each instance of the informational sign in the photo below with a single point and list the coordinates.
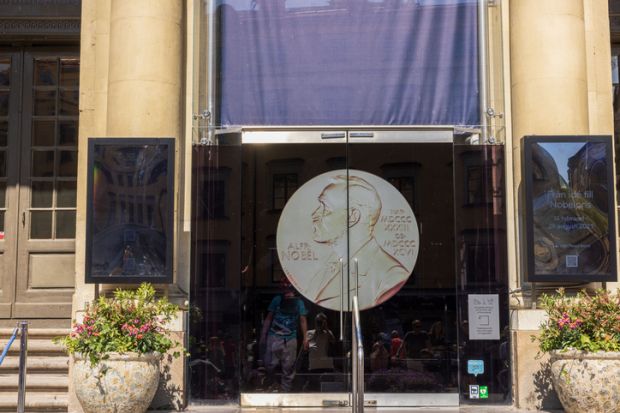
(475, 367)
(570, 208)
(347, 228)
(483, 316)
(474, 391)
(130, 211)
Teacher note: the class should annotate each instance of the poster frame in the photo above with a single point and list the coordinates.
(169, 144)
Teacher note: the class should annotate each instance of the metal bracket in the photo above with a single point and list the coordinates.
(204, 115)
(491, 113)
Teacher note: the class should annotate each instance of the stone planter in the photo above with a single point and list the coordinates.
(122, 383)
(587, 382)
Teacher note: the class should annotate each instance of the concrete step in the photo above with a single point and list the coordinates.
(35, 383)
(58, 363)
(35, 402)
(5, 333)
(38, 346)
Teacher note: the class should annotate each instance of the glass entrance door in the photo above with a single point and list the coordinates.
(330, 215)
(289, 227)
(294, 284)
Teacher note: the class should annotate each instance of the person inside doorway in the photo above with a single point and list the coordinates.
(319, 341)
(285, 313)
(380, 275)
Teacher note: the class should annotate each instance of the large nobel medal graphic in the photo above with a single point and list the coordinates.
(343, 226)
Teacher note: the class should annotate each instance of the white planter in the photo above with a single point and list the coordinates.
(122, 383)
(587, 382)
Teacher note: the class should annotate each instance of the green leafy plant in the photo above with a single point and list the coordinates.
(587, 322)
(129, 321)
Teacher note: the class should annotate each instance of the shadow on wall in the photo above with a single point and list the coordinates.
(544, 397)
(170, 395)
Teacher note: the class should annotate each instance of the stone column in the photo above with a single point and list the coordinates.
(145, 68)
(549, 88)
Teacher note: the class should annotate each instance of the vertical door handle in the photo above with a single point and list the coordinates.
(23, 220)
(357, 279)
(341, 300)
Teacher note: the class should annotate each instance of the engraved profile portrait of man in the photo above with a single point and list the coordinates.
(379, 273)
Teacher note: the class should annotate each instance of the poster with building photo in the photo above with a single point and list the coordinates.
(130, 210)
(570, 208)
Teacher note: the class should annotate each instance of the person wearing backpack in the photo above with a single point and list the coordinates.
(279, 333)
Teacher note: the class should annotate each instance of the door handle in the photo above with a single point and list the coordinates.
(341, 300)
(23, 220)
(357, 278)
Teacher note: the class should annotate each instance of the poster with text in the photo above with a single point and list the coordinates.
(570, 208)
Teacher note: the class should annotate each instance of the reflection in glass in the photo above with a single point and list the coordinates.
(65, 224)
(42, 164)
(69, 72)
(43, 132)
(2, 194)
(569, 205)
(44, 103)
(5, 72)
(67, 131)
(68, 163)
(4, 133)
(126, 243)
(41, 224)
(66, 191)
(4, 103)
(42, 194)
(45, 72)
(69, 102)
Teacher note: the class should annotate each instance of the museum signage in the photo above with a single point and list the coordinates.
(569, 196)
(129, 224)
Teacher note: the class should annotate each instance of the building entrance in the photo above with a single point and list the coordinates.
(289, 227)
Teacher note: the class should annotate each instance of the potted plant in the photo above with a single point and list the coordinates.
(117, 349)
(582, 337)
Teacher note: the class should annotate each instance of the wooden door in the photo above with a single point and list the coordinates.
(41, 195)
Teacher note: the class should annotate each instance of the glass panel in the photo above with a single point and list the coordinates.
(4, 103)
(42, 195)
(296, 236)
(3, 163)
(4, 133)
(412, 336)
(480, 233)
(69, 72)
(43, 132)
(45, 72)
(68, 163)
(65, 197)
(5, 72)
(42, 164)
(125, 243)
(2, 194)
(45, 103)
(68, 131)
(69, 102)
(65, 224)
(40, 224)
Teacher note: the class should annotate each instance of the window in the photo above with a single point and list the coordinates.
(283, 186)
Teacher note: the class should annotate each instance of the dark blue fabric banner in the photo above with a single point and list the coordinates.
(348, 62)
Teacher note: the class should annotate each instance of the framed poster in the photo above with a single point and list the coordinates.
(570, 208)
(129, 222)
